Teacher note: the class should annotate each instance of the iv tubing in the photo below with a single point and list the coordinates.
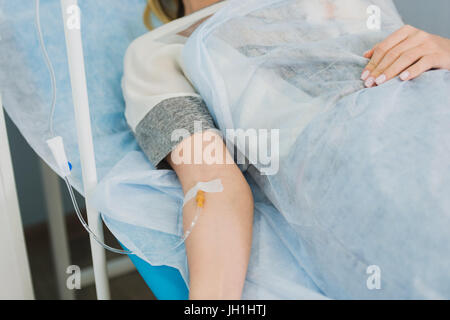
(200, 197)
(47, 62)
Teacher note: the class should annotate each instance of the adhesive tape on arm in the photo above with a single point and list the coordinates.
(212, 186)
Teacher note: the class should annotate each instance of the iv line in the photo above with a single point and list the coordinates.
(52, 112)
(47, 62)
(57, 149)
(84, 223)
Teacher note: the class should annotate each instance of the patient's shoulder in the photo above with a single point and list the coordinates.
(147, 44)
(149, 55)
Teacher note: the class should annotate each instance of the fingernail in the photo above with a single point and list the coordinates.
(380, 79)
(404, 75)
(366, 53)
(365, 74)
(369, 82)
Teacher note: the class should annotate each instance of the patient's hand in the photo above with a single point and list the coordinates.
(408, 52)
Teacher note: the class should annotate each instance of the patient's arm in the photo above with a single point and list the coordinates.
(218, 248)
(161, 101)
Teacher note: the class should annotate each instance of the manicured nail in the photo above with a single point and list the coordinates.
(365, 74)
(404, 75)
(381, 79)
(369, 82)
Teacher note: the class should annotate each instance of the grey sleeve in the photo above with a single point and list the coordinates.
(154, 131)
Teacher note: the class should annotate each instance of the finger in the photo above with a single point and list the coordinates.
(368, 54)
(405, 60)
(383, 47)
(424, 64)
(393, 55)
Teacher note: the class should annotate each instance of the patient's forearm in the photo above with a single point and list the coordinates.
(218, 248)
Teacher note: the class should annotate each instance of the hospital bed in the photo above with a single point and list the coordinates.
(108, 149)
(296, 254)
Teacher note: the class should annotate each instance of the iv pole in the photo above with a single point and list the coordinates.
(72, 28)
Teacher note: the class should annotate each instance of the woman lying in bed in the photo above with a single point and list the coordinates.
(161, 100)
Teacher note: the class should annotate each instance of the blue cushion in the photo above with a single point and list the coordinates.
(165, 282)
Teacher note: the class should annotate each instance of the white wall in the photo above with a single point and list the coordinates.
(429, 15)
